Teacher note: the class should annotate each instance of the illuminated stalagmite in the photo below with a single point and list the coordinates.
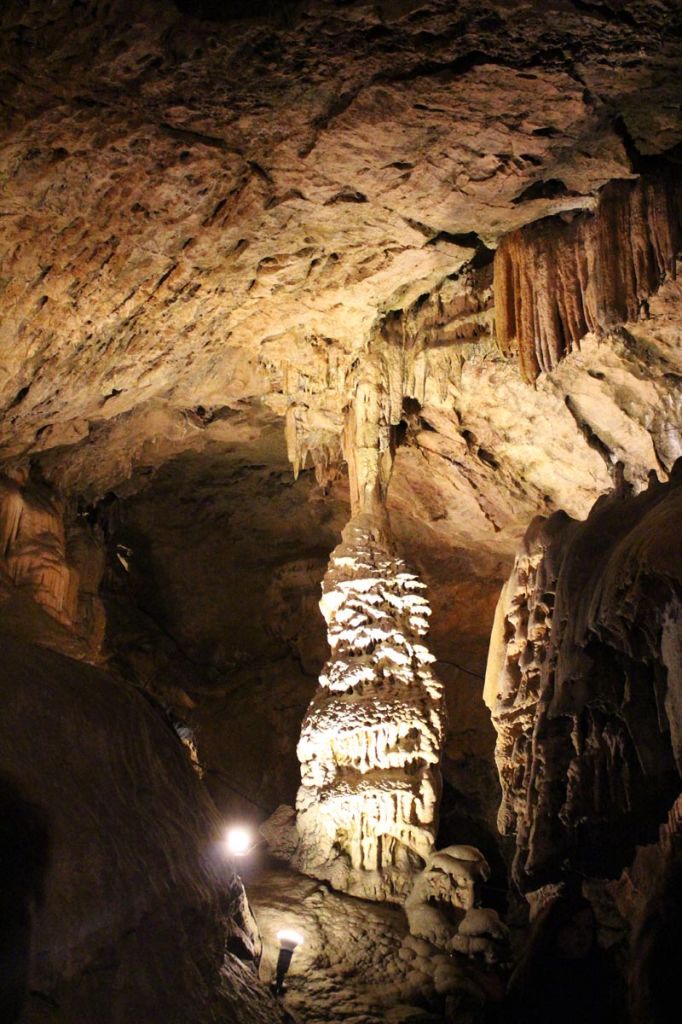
(371, 741)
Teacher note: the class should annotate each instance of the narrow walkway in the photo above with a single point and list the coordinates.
(358, 964)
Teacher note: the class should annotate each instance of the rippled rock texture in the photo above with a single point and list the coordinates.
(212, 209)
(555, 283)
(583, 683)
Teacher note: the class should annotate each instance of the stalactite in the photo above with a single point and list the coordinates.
(315, 435)
(33, 554)
(396, 361)
(32, 545)
(554, 281)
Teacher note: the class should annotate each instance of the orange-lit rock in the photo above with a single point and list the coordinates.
(559, 279)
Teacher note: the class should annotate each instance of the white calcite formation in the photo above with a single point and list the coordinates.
(444, 892)
(371, 741)
(481, 933)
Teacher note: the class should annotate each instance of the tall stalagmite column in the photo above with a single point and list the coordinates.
(371, 740)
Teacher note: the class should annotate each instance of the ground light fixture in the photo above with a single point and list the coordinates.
(288, 941)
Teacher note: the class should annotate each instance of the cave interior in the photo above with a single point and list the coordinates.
(340, 502)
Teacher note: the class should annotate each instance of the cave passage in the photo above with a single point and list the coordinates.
(340, 491)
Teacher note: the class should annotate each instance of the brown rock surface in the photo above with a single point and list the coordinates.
(583, 684)
(221, 223)
(214, 210)
(136, 880)
(555, 283)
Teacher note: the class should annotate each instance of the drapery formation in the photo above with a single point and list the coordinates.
(555, 280)
(584, 684)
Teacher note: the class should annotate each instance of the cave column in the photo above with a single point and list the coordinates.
(368, 450)
(371, 740)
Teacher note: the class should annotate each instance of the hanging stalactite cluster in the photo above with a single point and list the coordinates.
(555, 280)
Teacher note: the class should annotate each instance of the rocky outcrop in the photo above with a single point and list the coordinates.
(583, 683)
(62, 577)
(371, 741)
(358, 963)
(562, 277)
(143, 919)
(444, 891)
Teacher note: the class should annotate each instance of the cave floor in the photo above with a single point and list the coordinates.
(358, 964)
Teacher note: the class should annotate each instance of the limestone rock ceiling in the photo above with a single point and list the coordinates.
(214, 221)
(200, 211)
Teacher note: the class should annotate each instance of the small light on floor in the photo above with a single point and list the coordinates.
(238, 840)
(288, 941)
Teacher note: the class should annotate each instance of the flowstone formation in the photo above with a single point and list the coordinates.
(359, 964)
(444, 891)
(371, 740)
(40, 564)
(584, 683)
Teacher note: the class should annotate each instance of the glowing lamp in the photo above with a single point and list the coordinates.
(288, 941)
(238, 840)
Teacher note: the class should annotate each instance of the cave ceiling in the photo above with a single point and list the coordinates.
(209, 210)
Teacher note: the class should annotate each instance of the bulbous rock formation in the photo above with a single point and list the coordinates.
(444, 892)
(371, 740)
(584, 683)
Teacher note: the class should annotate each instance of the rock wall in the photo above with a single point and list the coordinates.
(371, 741)
(143, 920)
(583, 682)
(556, 280)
